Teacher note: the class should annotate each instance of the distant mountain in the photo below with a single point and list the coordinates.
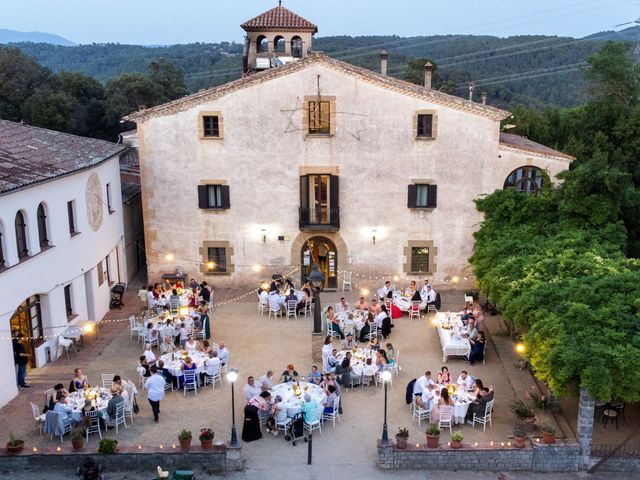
(627, 35)
(13, 36)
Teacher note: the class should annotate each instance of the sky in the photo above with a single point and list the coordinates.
(164, 22)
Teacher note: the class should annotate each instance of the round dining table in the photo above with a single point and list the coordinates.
(99, 399)
(293, 399)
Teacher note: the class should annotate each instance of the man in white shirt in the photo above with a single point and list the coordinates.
(211, 367)
(264, 297)
(155, 391)
(250, 389)
(428, 397)
(382, 293)
(223, 354)
(276, 301)
(465, 380)
(149, 355)
(430, 295)
(266, 381)
(151, 299)
(422, 383)
(343, 306)
(423, 290)
(332, 362)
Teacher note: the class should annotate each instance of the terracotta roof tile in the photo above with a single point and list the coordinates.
(279, 18)
(521, 143)
(30, 155)
(315, 58)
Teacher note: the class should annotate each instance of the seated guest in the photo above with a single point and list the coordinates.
(79, 381)
(305, 301)
(374, 344)
(223, 354)
(391, 354)
(348, 343)
(191, 345)
(250, 390)
(276, 302)
(395, 310)
(263, 297)
(334, 322)
(315, 376)
(381, 360)
(330, 399)
(478, 387)
(62, 409)
(332, 362)
(127, 387)
(366, 329)
(291, 297)
(289, 375)
(211, 367)
(330, 379)
(368, 371)
(206, 347)
(144, 366)
(443, 401)
(116, 399)
(343, 306)
(443, 377)
(479, 406)
(279, 411)
(174, 299)
(266, 381)
(477, 349)
(426, 401)
(152, 330)
(152, 301)
(167, 345)
(346, 371)
(149, 355)
(86, 409)
(205, 292)
(362, 304)
(465, 381)
(309, 409)
(375, 307)
(58, 388)
(470, 330)
(415, 298)
(193, 284)
(430, 296)
(422, 382)
(163, 301)
(384, 291)
(423, 290)
(187, 365)
(412, 288)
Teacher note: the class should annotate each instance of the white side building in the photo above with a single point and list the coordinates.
(61, 239)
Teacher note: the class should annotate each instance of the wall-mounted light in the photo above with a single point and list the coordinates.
(170, 257)
(211, 265)
(264, 235)
(373, 234)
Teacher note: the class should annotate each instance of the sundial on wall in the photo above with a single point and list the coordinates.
(94, 201)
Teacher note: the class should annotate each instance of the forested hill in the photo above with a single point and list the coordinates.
(530, 70)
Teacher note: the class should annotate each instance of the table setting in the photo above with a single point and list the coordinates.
(461, 399)
(173, 361)
(403, 301)
(452, 340)
(359, 358)
(99, 399)
(292, 394)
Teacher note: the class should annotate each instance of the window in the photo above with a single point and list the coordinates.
(67, 301)
(422, 196)
(27, 320)
(216, 260)
(215, 197)
(71, 214)
(279, 44)
(108, 270)
(419, 259)
(109, 206)
(100, 273)
(527, 179)
(296, 47)
(319, 117)
(210, 126)
(2, 260)
(262, 44)
(42, 227)
(21, 236)
(425, 125)
(319, 202)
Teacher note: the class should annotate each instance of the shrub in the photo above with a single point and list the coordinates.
(107, 446)
(457, 436)
(206, 434)
(521, 410)
(403, 433)
(433, 430)
(184, 435)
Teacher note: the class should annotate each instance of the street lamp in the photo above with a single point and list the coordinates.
(232, 376)
(386, 377)
(316, 278)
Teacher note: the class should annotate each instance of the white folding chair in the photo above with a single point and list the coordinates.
(414, 310)
(276, 312)
(395, 366)
(331, 417)
(420, 414)
(118, 419)
(346, 280)
(38, 418)
(284, 426)
(292, 310)
(312, 421)
(200, 334)
(168, 386)
(261, 307)
(134, 328)
(331, 331)
(107, 380)
(190, 382)
(308, 307)
(213, 379)
(431, 308)
(484, 419)
(379, 377)
(54, 425)
(446, 418)
(128, 405)
(373, 332)
(94, 425)
(468, 299)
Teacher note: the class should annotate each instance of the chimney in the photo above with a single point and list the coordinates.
(483, 96)
(471, 87)
(428, 70)
(383, 62)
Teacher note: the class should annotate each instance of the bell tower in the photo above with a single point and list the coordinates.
(276, 37)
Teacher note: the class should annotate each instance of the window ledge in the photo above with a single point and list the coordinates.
(216, 209)
(217, 273)
(319, 135)
(20, 261)
(425, 139)
(75, 234)
(423, 209)
(72, 317)
(202, 137)
(420, 273)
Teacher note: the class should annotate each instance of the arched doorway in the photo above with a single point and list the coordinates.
(322, 252)
(27, 320)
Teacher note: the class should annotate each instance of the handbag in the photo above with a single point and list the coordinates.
(136, 408)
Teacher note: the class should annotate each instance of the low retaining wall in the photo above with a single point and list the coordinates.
(535, 457)
(132, 459)
(617, 464)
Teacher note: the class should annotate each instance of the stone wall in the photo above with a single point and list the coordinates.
(624, 464)
(536, 457)
(197, 460)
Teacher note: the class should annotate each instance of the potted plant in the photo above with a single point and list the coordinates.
(206, 438)
(456, 439)
(433, 436)
(524, 414)
(77, 438)
(401, 438)
(185, 440)
(108, 446)
(519, 438)
(548, 434)
(14, 445)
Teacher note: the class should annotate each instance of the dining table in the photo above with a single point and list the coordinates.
(461, 400)
(173, 361)
(450, 332)
(292, 394)
(99, 399)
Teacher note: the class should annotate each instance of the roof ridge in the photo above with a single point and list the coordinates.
(279, 17)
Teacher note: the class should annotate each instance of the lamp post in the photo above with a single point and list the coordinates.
(232, 376)
(386, 376)
(316, 278)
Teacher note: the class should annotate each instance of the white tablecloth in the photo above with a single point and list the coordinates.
(292, 402)
(404, 302)
(353, 324)
(173, 365)
(461, 399)
(76, 401)
(358, 360)
(451, 340)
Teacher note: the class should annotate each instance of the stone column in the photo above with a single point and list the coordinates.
(584, 429)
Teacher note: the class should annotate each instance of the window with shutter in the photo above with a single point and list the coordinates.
(419, 259)
(213, 197)
(422, 196)
(425, 125)
(210, 126)
(217, 260)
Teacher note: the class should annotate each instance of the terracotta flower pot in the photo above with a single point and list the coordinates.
(17, 448)
(456, 443)
(77, 444)
(433, 441)
(527, 424)
(548, 438)
(519, 442)
(206, 444)
(185, 444)
(401, 442)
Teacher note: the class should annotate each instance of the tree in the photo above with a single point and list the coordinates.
(415, 72)
(20, 76)
(129, 93)
(169, 78)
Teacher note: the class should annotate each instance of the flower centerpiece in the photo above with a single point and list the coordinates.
(206, 438)
(401, 438)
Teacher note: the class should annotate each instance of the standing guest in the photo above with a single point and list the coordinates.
(385, 321)
(334, 322)
(315, 376)
(443, 377)
(250, 389)
(79, 381)
(343, 306)
(166, 374)
(149, 355)
(155, 392)
(477, 349)
(20, 359)
(384, 291)
(266, 380)
(251, 428)
(62, 409)
(289, 375)
(181, 334)
(362, 304)
(152, 300)
(375, 307)
(223, 354)
(443, 401)
(327, 347)
(144, 365)
(116, 399)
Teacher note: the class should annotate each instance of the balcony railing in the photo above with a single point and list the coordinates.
(320, 218)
